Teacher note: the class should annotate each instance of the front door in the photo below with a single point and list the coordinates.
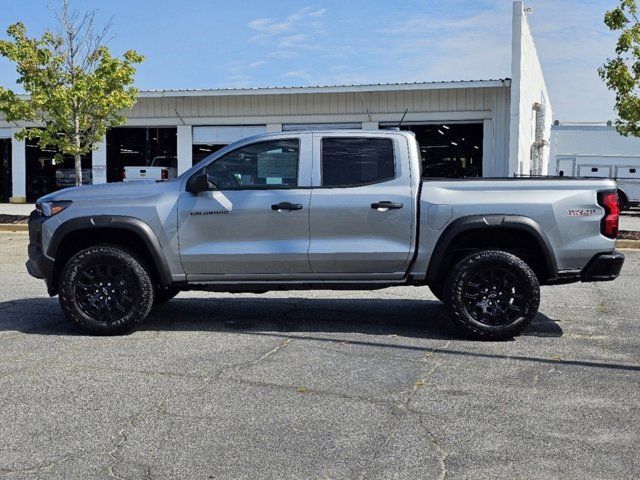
(362, 207)
(255, 225)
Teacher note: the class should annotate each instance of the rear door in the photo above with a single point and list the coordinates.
(256, 224)
(362, 211)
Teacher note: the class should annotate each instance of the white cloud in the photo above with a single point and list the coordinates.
(267, 26)
(303, 74)
(293, 41)
(271, 27)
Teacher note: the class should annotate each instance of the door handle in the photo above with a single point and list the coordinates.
(386, 205)
(286, 206)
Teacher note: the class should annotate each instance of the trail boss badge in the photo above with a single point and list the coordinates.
(582, 213)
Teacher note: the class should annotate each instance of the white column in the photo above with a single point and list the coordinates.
(18, 169)
(488, 167)
(370, 126)
(99, 162)
(185, 148)
(274, 127)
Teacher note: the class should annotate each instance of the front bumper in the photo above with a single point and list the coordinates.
(38, 265)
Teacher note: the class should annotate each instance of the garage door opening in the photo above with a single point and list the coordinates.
(138, 147)
(450, 150)
(46, 173)
(5, 169)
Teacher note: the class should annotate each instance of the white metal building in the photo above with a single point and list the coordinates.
(490, 128)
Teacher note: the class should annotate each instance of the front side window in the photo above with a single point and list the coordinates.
(270, 164)
(349, 162)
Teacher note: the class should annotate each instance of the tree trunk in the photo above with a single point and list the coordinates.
(78, 156)
(78, 164)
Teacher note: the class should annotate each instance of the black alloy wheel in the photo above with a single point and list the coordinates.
(492, 295)
(104, 292)
(106, 289)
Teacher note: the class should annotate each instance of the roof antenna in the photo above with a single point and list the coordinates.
(402, 119)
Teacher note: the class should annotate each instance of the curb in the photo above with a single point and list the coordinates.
(631, 244)
(14, 227)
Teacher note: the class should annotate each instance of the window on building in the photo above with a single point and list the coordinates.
(356, 161)
(260, 165)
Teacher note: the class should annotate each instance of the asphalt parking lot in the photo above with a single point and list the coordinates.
(319, 385)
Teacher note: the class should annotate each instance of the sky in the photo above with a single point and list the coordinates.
(252, 43)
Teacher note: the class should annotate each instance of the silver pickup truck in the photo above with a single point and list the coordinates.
(323, 210)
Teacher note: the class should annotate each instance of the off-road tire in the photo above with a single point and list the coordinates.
(164, 294)
(512, 309)
(132, 285)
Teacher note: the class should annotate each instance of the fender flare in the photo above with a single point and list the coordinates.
(487, 222)
(134, 225)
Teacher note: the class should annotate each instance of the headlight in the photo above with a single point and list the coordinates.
(49, 209)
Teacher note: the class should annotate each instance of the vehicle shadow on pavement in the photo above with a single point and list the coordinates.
(375, 316)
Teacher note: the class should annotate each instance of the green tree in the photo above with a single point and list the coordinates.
(622, 73)
(75, 89)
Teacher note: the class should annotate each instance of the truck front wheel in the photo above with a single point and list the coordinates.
(492, 295)
(106, 290)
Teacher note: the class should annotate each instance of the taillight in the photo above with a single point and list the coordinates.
(611, 220)
(164, 174)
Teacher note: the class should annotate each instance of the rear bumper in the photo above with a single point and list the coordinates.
(38, 265)
(603, 267)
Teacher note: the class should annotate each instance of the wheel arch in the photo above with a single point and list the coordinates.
(132, 233)
(492, 231)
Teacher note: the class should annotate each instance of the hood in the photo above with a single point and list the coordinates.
(111, 191)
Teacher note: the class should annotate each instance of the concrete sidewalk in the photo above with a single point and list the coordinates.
(16, 208)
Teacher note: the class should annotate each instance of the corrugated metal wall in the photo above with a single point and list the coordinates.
(282, 107)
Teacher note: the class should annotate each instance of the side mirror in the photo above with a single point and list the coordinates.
(200, 183)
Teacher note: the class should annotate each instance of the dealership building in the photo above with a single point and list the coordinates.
(483, 128)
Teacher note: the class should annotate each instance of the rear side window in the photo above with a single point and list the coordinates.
(349, 162)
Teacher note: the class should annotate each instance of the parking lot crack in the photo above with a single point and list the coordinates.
(441, 453)
(44, 467)
(271, 352)
(422, 380)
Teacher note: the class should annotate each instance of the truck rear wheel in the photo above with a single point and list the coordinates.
(106, 290)
(492, 295)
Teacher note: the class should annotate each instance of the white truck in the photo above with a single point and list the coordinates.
(626, 175)
(161, 168)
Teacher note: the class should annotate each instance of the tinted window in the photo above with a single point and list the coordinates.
(356, 161)
(266, 164)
